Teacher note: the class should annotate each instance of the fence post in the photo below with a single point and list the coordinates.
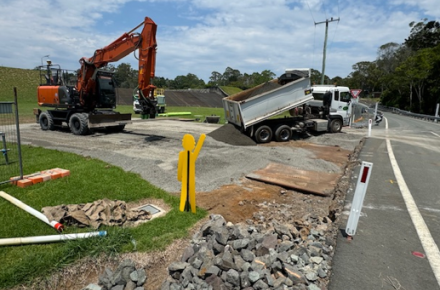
(17, 125)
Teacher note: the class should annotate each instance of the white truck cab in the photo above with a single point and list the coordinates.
(336, 99)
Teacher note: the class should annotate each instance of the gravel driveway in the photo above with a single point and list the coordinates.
(151, 147)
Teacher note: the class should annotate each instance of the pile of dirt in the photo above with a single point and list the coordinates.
(230, 135)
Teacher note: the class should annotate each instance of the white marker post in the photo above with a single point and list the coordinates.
(358, 198)
(375, 111)
(436, 112)
(369, 127)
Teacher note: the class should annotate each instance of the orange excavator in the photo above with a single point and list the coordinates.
(89, 102)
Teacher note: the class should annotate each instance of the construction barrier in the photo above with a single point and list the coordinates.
(39, 177)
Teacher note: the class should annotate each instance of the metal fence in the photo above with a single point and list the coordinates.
(360, 115)
(410, 114)
(10, 147)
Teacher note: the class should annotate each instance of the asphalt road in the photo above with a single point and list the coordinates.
(391, 229)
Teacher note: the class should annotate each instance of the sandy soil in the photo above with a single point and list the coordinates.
(151, 149)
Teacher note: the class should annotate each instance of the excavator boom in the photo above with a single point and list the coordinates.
(129, 42)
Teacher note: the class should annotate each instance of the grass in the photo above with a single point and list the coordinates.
(90, 180)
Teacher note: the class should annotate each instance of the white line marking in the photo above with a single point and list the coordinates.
(435, 134)
(428, 243)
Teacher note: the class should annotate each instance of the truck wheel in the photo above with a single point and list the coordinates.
(283, 133)
(335, 125)
(78, 124)
(46, 121)
(263, 134)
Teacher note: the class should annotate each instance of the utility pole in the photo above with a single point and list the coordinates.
(325, 45)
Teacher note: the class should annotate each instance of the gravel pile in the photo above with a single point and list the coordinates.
(125, 277)
(230, 135)
(248, 256)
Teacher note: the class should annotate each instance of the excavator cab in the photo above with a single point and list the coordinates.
(105, 90)
(53, 90)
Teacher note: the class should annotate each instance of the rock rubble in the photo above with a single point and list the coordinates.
(125, 277)
(277, 255)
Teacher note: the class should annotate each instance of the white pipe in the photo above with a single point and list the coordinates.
(48, 239)
(59, 227)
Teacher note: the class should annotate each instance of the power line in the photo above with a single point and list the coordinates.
(311, 12)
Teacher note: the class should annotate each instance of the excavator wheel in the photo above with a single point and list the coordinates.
(78, 124)
(46, 121)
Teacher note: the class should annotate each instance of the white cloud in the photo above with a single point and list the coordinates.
(210, 35)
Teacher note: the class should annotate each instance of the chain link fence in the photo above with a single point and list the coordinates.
(10, 158)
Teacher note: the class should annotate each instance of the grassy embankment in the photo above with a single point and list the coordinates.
(90, 180)
(27, 81)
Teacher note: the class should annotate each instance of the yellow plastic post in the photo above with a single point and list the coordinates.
(186, 171)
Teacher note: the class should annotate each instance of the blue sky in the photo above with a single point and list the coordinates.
(202, 36)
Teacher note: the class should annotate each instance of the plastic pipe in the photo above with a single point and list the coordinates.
(48, 239)
(59, 227)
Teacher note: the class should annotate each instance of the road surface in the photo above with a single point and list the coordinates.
(396, 242)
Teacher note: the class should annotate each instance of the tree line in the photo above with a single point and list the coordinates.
(405, 75)
(126, 77)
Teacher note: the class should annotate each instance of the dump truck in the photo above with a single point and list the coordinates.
(276, 109)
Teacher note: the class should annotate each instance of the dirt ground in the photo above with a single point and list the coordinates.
(239, 200)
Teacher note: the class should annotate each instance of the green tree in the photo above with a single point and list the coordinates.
(417, 69)
(160, 82)
(230, 76)
(424, 34)
(125, 76)
(215, 79)
(190, 81)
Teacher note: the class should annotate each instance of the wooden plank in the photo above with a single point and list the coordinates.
(320, 183)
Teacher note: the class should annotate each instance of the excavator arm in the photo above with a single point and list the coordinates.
(144, 42)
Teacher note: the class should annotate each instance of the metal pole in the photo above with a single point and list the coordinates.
(325, 46)
(17, 125)
(324, 53)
